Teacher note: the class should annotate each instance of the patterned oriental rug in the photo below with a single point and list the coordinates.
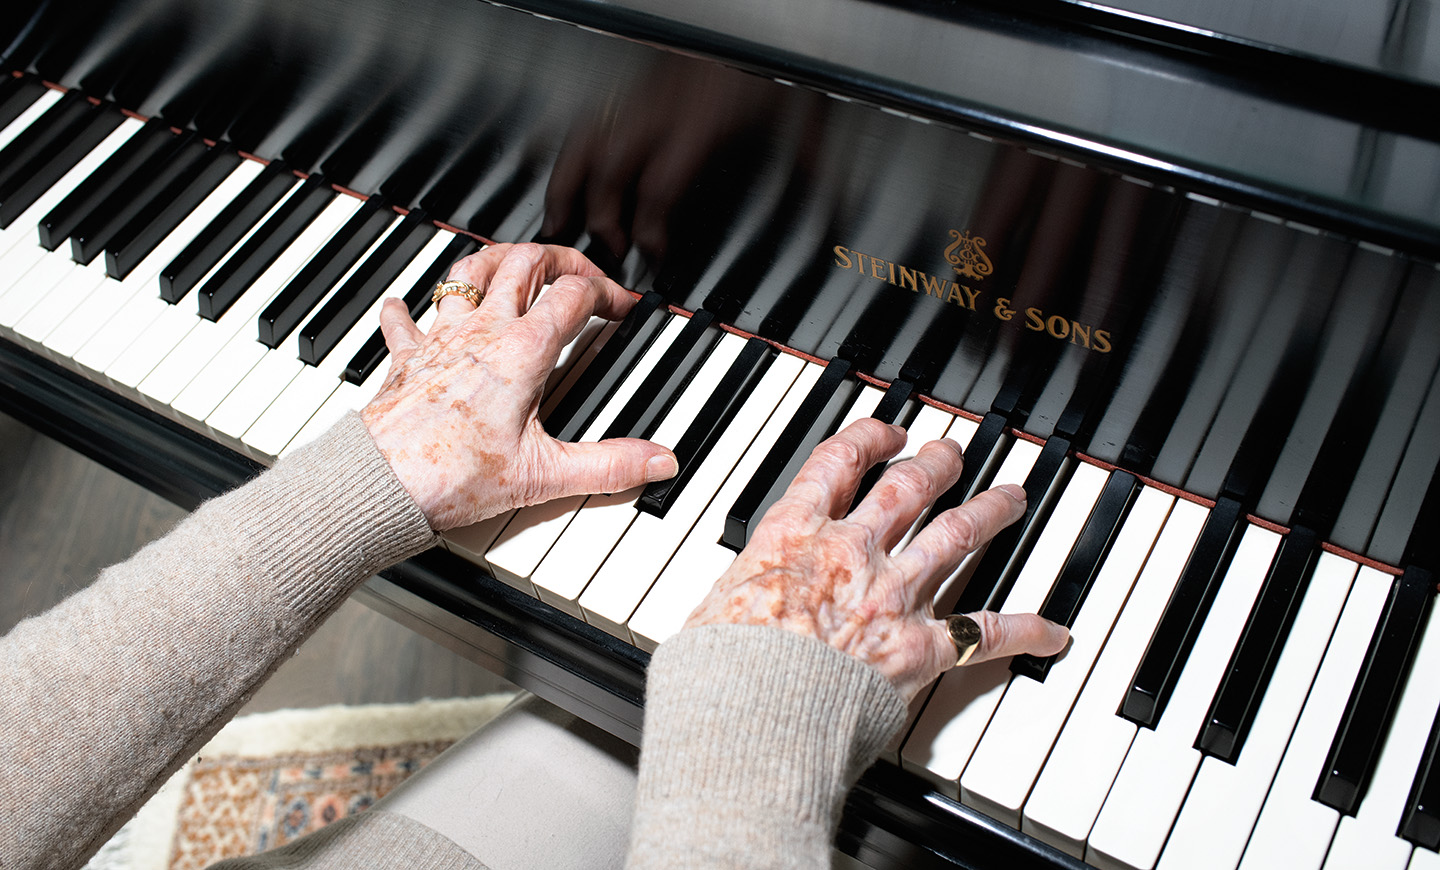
(270, 778)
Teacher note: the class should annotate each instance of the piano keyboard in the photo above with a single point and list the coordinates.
(1233, 696)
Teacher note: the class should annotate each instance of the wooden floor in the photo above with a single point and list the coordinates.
(64, 517)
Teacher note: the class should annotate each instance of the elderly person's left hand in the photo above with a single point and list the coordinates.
(456, 417)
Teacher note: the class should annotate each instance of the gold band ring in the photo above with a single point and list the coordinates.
(458, 288)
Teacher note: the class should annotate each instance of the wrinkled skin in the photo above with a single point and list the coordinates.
(456, 417)
(812, 569)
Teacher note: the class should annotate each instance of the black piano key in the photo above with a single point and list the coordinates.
(17, 95)
(658, 393)
(314, 280)
(166, 209)
(56, 226)
(1356, 747)
(417, 299)
(170, 163)
(886, 411)
(335, 320)
(574, 413)
(719, 410)
(41, 138)
(990, 581)
(1233, 709)
(817, 419)
(1185, 613)
(264, 247)
(181, 275)
(49, 167)
(1083, 564)
(977, 454)
(1420, 823)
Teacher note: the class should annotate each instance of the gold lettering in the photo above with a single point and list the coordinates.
(956, 294)
(1003, 311)
(842, 257)
(861, 258)
(1033, 320)
(1102, 341)
(1079, 334)
(892, 273)
(971, 297)
(907, 276)
(1060, 331)
(934, 287)
(875, 266)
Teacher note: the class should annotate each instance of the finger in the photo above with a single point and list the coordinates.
(934, 553)
(527, 268)
(562, 312)
(907, 488)
(1009, 634)
(609, 466)
(476, 270)
(401, 334)
(827, 481)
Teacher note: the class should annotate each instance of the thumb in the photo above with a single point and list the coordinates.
(609, 466)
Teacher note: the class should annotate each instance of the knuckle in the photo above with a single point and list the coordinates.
(841, 453)
(965, 531)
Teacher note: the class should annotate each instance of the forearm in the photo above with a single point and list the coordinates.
(107, 694)
(753, 737)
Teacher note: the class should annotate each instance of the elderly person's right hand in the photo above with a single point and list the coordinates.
(456, 417)
(818, 568)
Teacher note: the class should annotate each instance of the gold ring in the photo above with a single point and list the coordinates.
(458, 288)
(965, 634)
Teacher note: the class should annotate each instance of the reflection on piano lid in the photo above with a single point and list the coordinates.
(1169, 268)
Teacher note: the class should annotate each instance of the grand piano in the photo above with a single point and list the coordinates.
(1171, 265)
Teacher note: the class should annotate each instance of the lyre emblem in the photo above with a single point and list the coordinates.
(965, 254)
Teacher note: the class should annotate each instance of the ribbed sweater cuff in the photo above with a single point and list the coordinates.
(753, 736)
(356, 520)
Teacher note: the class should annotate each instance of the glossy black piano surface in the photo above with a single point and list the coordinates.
(1191, 244)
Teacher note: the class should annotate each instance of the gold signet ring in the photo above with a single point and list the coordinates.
(965, 634)
(458, 288)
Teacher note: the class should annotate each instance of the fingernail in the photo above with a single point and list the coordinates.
(661, 467)
(1015, 491)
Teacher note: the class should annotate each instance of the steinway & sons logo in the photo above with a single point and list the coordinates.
(966, 255)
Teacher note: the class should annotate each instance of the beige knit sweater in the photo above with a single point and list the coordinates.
(105, 696)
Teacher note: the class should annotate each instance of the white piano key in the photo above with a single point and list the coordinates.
(313, 385)
(1025, 726)
(955, 717)
(1225, 800)
(192, 354)
(1369, 838)
(67, 295)
(340, 395)
(1071, 788)
(471, 542)
(107, 299)
(701, 559)
(1424, 859)
(1151, 785)
(42, 104)
(566, 570)
(530, 534)
(628, 572)
(1293, 830)
(22, 230)
(135, 318)
(50, 274)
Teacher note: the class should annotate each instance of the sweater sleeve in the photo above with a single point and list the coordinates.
(108, 693)
(753, 737)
